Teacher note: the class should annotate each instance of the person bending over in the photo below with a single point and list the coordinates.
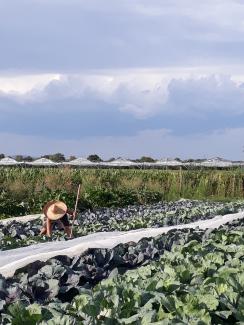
(56, 213)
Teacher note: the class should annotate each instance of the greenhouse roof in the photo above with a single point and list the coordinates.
(168, 162)
(216, 162)
(80, 162)
(43, 162)
(121, 162)
(7, 161)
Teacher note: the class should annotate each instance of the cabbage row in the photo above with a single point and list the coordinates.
(182, 277)
(18, 234)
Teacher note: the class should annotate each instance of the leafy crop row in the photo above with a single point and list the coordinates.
(197, 277)
(17, 234)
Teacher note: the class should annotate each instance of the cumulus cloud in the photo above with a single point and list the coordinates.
(141, 94)
(75, 106)
(206, 95)
(20, 84)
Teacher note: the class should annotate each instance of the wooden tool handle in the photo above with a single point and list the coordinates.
(76, 203)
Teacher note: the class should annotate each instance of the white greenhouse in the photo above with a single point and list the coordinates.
(168, 162)
(216, 162)
(43, 162)
(7, 161)
(80, 162)
(120, 162)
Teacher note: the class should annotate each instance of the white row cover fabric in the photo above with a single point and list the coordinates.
(22, 219)
(12, 260)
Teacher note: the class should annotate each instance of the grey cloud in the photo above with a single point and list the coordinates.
(75, 35)
(206, 95)
(66, 119)
(199, 96)
(193, 96)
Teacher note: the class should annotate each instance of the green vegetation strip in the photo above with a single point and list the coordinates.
(25, 190)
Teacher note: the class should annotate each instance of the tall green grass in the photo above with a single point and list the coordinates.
(30, 188)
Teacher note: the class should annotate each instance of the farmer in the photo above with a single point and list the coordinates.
(56, 212)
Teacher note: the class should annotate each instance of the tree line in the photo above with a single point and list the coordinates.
(60, 157)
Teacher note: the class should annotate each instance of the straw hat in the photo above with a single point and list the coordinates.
(55, 210)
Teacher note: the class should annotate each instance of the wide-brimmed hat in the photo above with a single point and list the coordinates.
(55, 210)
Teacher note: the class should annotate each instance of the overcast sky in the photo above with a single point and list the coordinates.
(126, 78)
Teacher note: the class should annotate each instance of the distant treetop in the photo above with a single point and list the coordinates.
(57, 157)
(94, 158)
(146, 159)
(71, 158)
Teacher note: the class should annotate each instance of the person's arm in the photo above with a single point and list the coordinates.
(71, 212)
(49, 228)
(44, 227)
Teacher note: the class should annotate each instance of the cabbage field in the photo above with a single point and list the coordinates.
(17, 234)
(184, 276)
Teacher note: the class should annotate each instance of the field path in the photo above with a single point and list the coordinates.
(11, 260)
